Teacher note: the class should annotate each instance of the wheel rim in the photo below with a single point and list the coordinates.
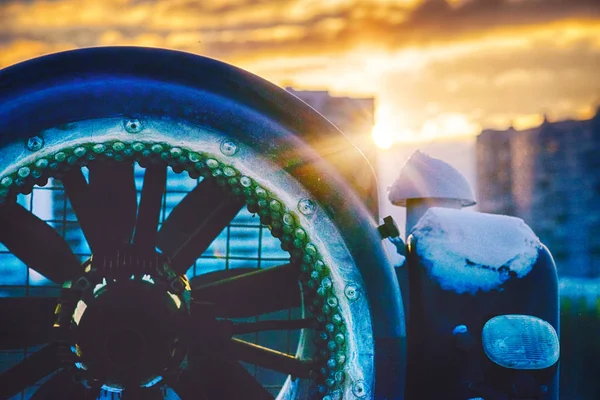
(345, 349)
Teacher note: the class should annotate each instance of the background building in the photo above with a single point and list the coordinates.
(549, 176)
(355, 117)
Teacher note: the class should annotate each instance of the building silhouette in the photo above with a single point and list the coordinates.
(550, 177)
(355, 117)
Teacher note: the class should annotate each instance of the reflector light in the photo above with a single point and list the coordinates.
(520, 342)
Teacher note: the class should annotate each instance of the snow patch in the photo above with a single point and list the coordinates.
(471, 251)
(423, 176)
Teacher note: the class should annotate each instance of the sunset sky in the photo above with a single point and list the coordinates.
(437, 69)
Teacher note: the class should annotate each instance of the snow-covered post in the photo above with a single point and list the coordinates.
(426, 182)
(482, 294)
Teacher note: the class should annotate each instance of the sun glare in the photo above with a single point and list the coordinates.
(383, 135)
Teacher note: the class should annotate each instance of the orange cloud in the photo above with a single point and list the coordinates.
(486, 62)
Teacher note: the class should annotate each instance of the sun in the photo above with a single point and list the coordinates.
(383, 135)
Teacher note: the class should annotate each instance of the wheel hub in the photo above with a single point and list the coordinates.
(125, 347)
(126, 315)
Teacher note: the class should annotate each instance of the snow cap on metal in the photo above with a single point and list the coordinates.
(425, 177)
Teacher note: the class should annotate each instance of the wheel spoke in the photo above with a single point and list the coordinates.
(77, 190)
(195, 222)
(26, 321)
(37, 244)
(29, 371)
(155, 179)
(240, 328)
(112, 185)
(214, 276)
(219, 379)
(269, 358)
(254, 293)
(62, 386)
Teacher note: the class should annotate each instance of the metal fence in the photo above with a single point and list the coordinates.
(245, 243)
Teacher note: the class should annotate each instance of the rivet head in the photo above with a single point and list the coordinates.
(118, 146)
(245, 181)
(35, 143)
(332, 301)
(133, 125)
(23, 172)
(176, 152)
(359, 388)
(229, 147)
(275, 205)
(98, 148)
(212, 163)
(337, 319)
(137, 146)
(194, 157)
(228, 171)
(300, 233)
(310, 249)
(41, 163)
(6, 181)
(79, 151)
(288, 219)
(260, 192)
(60, 156)
(306, 206)
(351, 291)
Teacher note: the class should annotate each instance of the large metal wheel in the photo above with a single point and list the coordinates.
(127, 317)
